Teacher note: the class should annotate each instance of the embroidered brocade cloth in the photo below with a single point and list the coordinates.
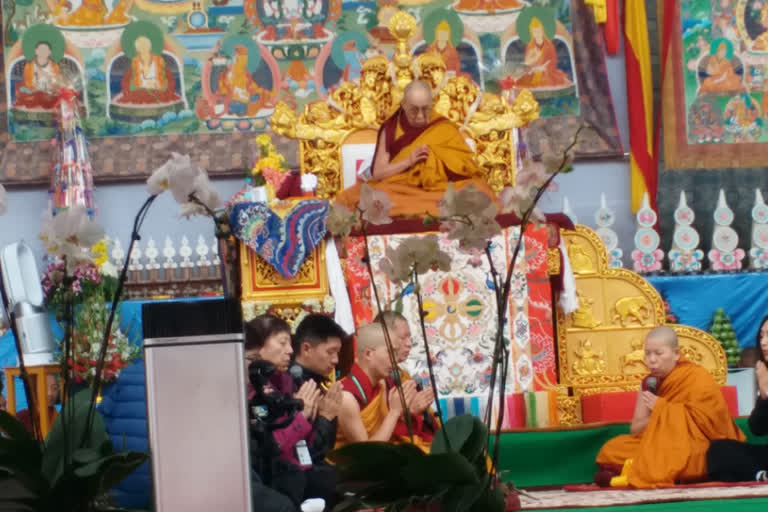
(283, 233)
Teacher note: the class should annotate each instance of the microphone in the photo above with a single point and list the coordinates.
(652, 384)
(297, 373)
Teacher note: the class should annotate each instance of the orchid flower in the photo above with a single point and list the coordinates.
(3, 200)
(188, 183)
(70, 234)
(469, 217)
(340, 220)
(374, 205)
(419, 254)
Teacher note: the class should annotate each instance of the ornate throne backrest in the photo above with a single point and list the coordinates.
(355, 110)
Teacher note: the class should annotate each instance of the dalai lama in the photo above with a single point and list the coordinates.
(418, 153)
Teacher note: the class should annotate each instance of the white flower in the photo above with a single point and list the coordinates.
(204, 192)
(70, 234)
(3, 200)
(178, 175)
(108, 269)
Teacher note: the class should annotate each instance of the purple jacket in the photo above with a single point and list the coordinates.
(299, 429)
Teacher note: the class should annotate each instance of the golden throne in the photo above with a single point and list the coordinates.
(354, 112)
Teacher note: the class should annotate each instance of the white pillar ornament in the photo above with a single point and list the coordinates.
(647, 256)
(725, 253)
(604, 219)
(758, 253)
(685, 255)
(568, 211)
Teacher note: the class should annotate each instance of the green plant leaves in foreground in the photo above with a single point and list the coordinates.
(374, 474)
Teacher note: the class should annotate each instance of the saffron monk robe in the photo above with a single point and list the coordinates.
(424, 422)
(368, 411)
(676, 416)
(418, 153)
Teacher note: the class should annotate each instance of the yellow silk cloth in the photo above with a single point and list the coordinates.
(373, 415)
(419, 189)
(689, 413)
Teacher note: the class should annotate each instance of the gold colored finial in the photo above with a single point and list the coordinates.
(526, 107)
(402, 26)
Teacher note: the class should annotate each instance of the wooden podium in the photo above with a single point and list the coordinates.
(39, 375)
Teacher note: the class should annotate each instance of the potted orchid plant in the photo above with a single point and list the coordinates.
(76, 465)
(461, 471)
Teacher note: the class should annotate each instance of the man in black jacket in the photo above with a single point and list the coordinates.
(316, 346)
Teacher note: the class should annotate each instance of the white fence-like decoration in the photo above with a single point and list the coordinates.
(177, 269)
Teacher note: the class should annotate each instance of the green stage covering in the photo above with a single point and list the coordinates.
(558, 457)
(735, 505)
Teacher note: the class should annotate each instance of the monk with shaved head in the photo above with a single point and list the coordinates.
(679, 410)
(369, 412)
(418, 153)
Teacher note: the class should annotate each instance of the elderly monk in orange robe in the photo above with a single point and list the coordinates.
(417, 155)
(424, 423)
(370, 412)
(679, 411)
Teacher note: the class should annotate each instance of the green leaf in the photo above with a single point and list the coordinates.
(12, 427)
(434, 472)
(56, 444)
(85, 456)
(119, 466)
(467, 435)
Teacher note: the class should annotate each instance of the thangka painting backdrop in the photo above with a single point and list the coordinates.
(461, 313)
(205, 74)
(715, 97)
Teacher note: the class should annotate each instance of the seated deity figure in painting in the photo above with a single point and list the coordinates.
(446, 37)
(42, 74)
(242, 95)
(718, 70)
(540, 60)
(418, 153)
(149, 79)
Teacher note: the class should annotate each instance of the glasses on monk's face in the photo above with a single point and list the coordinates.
(418, 114)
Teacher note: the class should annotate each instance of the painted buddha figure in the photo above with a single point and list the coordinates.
(41, 74)
(242, 95)
(541, 61)
(722, 77)
(443, 47)
(149, 80)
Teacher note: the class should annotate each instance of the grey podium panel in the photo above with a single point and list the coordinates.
(197, 414)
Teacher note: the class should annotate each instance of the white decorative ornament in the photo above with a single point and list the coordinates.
(725, 253)
(185, 252)
(647, 256)
(169, 252)
(152, 253)
(604, 219)
(685, 255)
(202, 252)
(568, 211)
(117, 254)
(758, 253)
